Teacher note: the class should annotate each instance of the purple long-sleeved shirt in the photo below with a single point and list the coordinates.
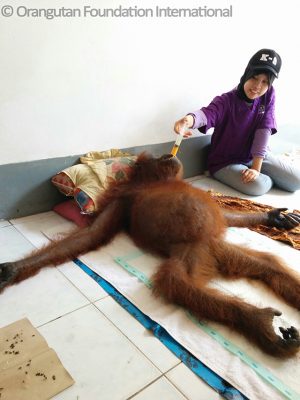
(261, 137)
(241, 131)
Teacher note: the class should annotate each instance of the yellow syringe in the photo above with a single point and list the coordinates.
(177, 144)
(180, 136)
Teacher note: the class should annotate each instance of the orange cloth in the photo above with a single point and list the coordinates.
(292, 238)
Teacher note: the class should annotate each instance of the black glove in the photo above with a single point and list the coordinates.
(283, 221)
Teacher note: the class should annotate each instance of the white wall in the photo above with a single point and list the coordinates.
(71, 85)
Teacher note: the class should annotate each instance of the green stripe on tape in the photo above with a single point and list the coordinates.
(132, 255)
(258, 368)
(133, 271)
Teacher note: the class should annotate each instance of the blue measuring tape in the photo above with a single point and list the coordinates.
(258, 368)
(221, 386)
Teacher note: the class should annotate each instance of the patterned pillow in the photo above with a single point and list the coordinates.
(63, 183)
(112, 169)
(87, 181)
(118, 169)
(85, 202)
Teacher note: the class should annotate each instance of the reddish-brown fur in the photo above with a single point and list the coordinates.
(167, 216)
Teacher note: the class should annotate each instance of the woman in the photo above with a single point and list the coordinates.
(243, 121)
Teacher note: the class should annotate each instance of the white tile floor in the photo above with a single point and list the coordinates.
(107, 352)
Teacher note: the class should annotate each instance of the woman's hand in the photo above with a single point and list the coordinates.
(249, 175)
(183, 124)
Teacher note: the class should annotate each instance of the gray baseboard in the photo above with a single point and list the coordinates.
(26, 187)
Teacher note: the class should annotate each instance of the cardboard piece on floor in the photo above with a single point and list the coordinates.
(29, 369)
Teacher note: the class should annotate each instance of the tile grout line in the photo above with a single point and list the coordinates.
(163, 374)
(56, 267)
(151, 383)
(143, 388)
(119, 329)
(63, 315)
(177, 388)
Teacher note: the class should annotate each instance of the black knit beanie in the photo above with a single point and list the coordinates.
(265, 61)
